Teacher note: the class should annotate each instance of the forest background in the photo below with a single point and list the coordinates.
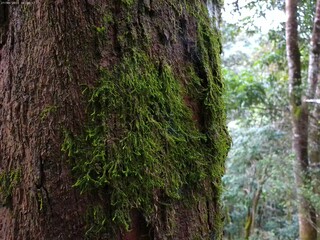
(261, 187)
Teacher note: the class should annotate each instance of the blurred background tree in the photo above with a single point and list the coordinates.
(260, 197)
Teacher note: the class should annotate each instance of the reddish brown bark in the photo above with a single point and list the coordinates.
(41, 73)
(48, 51)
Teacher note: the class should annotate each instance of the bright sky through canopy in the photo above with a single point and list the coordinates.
(249, 44)
(271, 20)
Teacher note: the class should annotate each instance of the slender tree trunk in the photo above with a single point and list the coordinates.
(299, 115)
(249, 228)
(51, 53)
(314, 150)
(314, 92)
(251, 216)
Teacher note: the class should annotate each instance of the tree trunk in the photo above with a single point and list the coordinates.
(314, 111)
(314, 153)
(252, 209)
(299, 115)
(314, 89)
(112, 124)
(249, 227)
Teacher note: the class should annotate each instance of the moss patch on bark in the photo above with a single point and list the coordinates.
(141, 136)
(8, 182)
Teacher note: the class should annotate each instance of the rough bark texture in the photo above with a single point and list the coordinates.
(49, 52)
(41, 69)
(299, 113)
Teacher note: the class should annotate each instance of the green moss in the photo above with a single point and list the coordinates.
(39, 197)
(297, 111)
(97, 220)
(8, 182)
(108, 19)
(100, 30)
(141, 136)
(47, 110)
(128, 2)
(208, 82)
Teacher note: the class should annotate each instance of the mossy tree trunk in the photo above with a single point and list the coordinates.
(112, 124)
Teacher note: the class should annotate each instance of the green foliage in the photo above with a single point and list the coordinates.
(306, 10)
(256, 89)
(260, 153)
(311, 187)
(243, 89)
(260, 158)
(231, 31)
(8, 182)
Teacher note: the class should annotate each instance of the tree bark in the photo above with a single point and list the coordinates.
(314, 110)
(299, 116)
(50, 53)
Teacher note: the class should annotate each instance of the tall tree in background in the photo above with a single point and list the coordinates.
(304, 113)
(300, 112)
(120, 99)
(314, 109)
